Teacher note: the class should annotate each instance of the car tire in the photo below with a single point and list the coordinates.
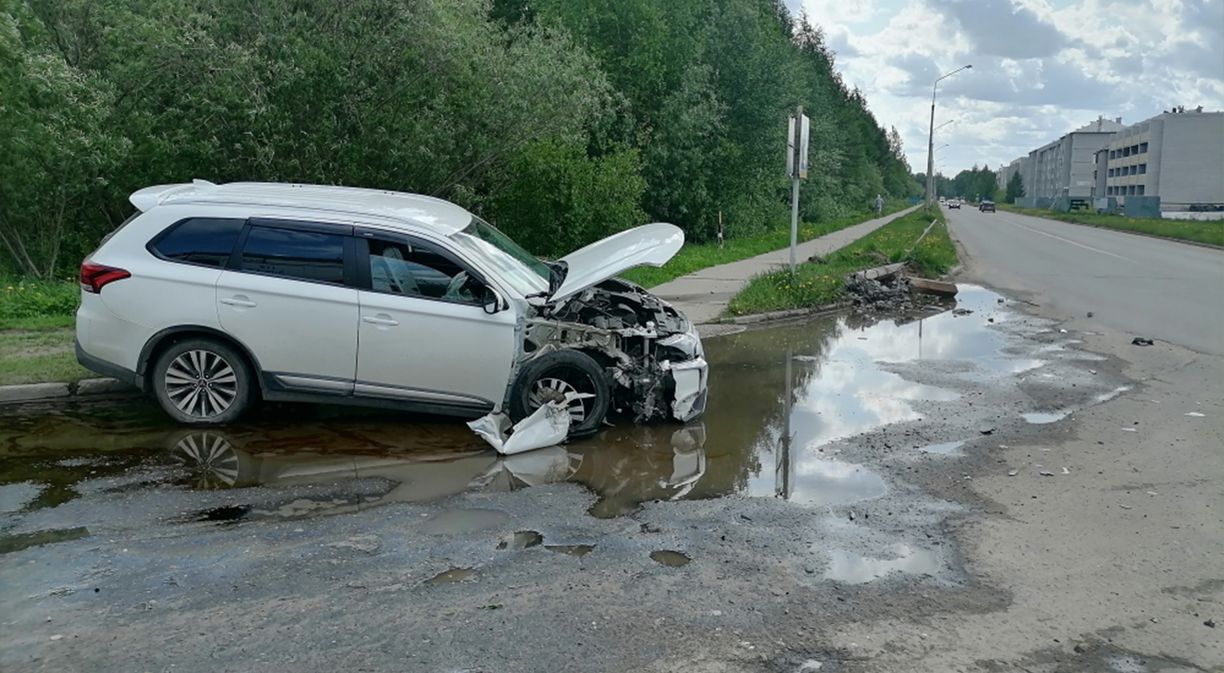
(551, 375)
(203, 381)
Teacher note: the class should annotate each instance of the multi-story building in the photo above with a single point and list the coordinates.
(1005, 173)
(1064, 167)
(1177, 155)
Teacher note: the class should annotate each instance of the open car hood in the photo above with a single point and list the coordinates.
(647, 245)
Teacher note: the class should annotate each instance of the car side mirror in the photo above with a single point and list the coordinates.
(491, 301)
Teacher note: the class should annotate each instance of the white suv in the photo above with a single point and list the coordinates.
(215, 296)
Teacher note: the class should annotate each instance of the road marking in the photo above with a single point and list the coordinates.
(1078, 245)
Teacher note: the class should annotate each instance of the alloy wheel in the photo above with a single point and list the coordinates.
(558, 390)
(201, 383)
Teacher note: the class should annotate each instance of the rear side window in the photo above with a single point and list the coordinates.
(203, 240)
(305, 255)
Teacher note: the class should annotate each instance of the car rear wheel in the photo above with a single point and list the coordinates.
(570, 377)
(203, 382)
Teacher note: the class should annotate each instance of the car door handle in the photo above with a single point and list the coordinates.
(382, 319)
(239, 300)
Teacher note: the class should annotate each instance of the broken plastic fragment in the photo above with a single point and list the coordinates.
(546, 426)
(688, 400)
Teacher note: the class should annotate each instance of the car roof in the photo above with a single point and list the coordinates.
(442, 216)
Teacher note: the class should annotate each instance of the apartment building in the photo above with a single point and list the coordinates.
(1177, 155)
(1064, 167)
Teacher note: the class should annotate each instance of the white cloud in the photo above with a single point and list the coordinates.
(1041, 67)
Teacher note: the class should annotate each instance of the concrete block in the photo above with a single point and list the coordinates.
(33, 391)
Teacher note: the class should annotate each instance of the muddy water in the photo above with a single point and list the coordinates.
(778, 397)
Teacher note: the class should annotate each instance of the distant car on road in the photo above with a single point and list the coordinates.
(954, 203)
(986, 206)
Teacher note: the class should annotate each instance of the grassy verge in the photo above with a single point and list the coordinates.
(1186, 230)
(34, 356)
(821, 284)
(36, 319)
(698, 256)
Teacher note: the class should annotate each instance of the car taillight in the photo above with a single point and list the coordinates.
(96, 276)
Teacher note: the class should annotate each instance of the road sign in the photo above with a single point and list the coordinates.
(798, 130)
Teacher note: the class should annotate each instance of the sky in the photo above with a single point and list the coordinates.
(1041, 68)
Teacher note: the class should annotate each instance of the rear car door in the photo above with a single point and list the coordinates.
(285, 297)
(424, 335)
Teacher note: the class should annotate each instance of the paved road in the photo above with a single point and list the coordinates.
(703, 295)
(1134, 284)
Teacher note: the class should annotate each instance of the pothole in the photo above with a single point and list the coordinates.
(521, 540)
(578, 550)
(672, 559)
(853, 568)
(452, 576)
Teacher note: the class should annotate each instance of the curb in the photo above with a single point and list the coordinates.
(787, 314)
(34, 392)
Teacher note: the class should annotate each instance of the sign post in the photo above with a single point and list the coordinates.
(797, 168)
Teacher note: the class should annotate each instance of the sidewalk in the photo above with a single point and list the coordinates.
(702, 295)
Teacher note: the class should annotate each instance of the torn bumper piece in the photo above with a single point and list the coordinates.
(689, 399)
(547, 426)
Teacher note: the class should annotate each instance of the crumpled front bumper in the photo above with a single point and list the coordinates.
(691, 380)
(691, 377)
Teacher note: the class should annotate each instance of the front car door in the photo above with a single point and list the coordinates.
(424, 336)
(285, 297)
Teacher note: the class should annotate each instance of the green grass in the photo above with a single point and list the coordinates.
(37, 304)
(816, 285)
(34, 356)
(1186, 230)
(36, 321)
(698, 256)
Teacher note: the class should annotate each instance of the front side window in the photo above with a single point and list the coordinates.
(289, 253)
(206, 241)
(418, 269)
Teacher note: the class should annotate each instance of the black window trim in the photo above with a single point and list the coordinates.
(151, 245)
(349, 274)
(361, 259)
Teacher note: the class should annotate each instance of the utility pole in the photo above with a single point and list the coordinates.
(930, 192)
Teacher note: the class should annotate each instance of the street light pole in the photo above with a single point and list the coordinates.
(931, 139)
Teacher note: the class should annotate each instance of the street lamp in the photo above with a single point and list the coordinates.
(931, 136)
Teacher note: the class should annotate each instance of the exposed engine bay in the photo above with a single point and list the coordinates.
(649, 350)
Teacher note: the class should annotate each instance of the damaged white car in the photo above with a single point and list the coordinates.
(213, 297)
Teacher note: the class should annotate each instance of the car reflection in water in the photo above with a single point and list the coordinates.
(625, 469)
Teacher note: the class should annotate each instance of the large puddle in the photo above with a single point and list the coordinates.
(778, 396)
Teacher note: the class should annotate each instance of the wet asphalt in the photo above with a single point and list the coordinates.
(822, 483)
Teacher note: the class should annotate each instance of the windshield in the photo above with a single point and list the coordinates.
(519, 268)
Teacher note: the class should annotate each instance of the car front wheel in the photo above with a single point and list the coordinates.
(203, 382)
(570, 377)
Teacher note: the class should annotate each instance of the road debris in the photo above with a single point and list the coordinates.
(1210, 623)
(962, 311)
(1196, 414)
(938, 288)
(1142, 341)
(546, 426)
(986, 429)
